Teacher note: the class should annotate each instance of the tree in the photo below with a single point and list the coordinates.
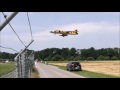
(72, 52)
(106, 58)
(77, 58)
(5, 55)
(84, 54)
(49, 58)
(78, 51)
(53, 59)
(71, 58)
(116, 52)
(110, 52)
(58, 57)
(46, 59)
(64, 53)
(103, 52)
(11, 56)
(101, 57)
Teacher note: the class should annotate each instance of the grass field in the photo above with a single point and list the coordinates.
(110, 68)
(4, 67)
(89, 74)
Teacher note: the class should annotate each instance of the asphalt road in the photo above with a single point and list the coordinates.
(48, 71)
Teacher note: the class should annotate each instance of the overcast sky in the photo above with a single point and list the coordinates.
(96, 29)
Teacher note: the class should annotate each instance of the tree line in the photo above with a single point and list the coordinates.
(5, 55)
(56, 54)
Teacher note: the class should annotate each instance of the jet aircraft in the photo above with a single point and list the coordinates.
(65, 33)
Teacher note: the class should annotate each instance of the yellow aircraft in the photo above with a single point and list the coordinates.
(65, 33)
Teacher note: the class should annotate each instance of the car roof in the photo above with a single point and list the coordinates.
(73, 61)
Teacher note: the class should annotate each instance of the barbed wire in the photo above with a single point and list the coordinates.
(0, 34)
(9, 48)
(24, 66)
(13, 29)
(119, 44)
(30, 26)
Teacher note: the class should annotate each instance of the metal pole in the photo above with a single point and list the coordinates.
(8, 20)
(22, 50)
(18, 60)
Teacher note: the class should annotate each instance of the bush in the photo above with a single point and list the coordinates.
(53, 59)
(101, 57)
(90, 58)
(46, 59)
(71, 58)
(114, 58)
(77, 58)
(106, 58)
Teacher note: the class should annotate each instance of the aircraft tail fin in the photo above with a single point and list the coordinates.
(76, 30)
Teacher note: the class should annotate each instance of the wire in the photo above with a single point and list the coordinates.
(119, 44)
(0, 34)
(29, 26)
(9, 48)
(13, 30)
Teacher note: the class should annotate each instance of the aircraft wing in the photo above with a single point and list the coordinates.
(67, 32)
(71, 32)
(64, 33)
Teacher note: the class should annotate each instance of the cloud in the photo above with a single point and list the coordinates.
(90, 27)
(83, 28)
(42, 34)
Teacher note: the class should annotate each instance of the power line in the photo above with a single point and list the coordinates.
(9, 48)
(29, 26)
(13, 30)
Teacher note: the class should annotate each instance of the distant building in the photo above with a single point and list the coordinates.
(4, 60)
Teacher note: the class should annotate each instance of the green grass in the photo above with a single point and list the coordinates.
(5, 67)
(89, 74)
(82, 61)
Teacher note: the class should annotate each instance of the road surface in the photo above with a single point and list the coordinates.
(49, 71)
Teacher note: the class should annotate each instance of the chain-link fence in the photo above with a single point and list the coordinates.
(10, 74)
(23, 68)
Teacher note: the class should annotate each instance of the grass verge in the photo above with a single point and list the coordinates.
(89, 74)
(35, 73)
(5, 67)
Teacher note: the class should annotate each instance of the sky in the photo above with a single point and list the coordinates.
(96, 29)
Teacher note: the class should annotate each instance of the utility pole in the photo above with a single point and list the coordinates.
(8, 20)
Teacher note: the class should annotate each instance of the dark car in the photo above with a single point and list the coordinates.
(73, 65)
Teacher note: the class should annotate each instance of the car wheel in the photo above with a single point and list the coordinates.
(69, 69)
(66, 69)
